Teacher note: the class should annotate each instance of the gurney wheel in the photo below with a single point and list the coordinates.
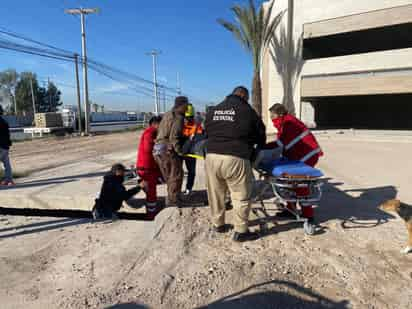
(309, 228)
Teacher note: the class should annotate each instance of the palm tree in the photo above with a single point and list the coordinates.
(254, 30)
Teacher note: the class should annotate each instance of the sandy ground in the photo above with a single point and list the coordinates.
(36, 155)
(354, 262)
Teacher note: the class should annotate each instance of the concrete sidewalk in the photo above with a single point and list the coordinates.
(71, 186)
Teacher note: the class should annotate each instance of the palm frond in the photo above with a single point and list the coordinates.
(245, 25)
(271, 28)
(236, 32)
(254, 29)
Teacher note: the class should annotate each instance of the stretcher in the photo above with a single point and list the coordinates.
(291, 182)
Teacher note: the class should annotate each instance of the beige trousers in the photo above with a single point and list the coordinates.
(227, 173)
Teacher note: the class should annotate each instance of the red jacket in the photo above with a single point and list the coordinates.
(145, 160)
(298, 142)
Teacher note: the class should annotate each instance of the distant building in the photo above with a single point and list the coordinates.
(352, 60)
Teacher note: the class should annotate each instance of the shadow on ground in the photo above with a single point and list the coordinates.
(361, 211)
(40, 227)
(52, 181)
(296, 297)
(354, 212)
(128, 306)
(65, 213)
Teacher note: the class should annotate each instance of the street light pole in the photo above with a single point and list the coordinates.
(154, 54)
(82, 12)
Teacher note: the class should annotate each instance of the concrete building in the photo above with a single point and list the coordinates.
(347, 63)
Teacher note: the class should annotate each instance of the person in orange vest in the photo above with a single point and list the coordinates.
(297, 144)
(190, 129)
(147, 168)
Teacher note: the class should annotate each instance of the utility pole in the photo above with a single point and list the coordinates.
(154, 53)
(82, 12)
(15, 104)
(32, 97)
(79, 104)
(178, 88)
(289, 94)
(164, 99)
(48, 89)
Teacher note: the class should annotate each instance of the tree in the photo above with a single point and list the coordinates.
(8, 82)
(50, 100)
(254, 30)
(23, 93)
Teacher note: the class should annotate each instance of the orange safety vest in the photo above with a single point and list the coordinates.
(191, 128)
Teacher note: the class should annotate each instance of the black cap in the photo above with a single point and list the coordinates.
(179, 101)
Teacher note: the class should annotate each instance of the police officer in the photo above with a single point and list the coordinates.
(234, 130)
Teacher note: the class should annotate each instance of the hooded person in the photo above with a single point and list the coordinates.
(113, 193)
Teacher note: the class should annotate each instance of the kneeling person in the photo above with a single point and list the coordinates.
(113, 193)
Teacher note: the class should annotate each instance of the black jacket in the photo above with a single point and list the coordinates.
(234, 128)
(113, 194)
(5, 141)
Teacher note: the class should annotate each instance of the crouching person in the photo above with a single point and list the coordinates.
(296, 143)
(113, 193)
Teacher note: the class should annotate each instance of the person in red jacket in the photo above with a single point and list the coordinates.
(296, 140)
(298, 144)
(147, 168)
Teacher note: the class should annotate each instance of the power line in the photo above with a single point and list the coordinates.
(90, 60)
(6, 44)
(56, 53)
(19, 36)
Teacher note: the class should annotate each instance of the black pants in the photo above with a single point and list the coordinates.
(191, 171)
(106, 210)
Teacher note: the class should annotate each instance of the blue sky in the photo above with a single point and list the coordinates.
(208, 58)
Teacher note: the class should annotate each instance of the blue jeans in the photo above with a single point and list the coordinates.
(4, 158)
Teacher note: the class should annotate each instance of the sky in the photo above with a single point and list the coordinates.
(210, 61)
